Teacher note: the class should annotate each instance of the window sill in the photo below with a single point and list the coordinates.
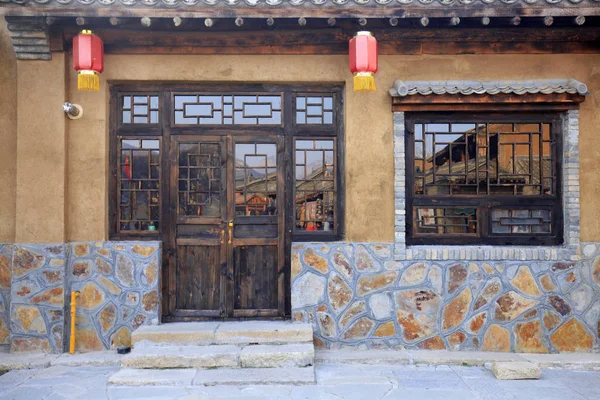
(486, 253)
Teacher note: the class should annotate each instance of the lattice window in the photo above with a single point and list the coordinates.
(445, 220)
(493, 177)
(314, 109)
(139, 185)
(255, 179)
(140, 109)
(315, 185)
(199, 179)
(238, 109)
(521, 221)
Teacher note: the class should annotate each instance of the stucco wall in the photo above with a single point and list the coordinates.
(369, 137)
(8, 135)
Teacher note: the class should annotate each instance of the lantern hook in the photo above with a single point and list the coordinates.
(73, 111)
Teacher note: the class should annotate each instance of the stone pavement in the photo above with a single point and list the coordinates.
(334, 382)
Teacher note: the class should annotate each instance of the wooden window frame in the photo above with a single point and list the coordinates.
(484, 203)
(166, 127)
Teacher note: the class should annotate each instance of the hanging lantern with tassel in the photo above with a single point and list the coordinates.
(363, 61)
(88, 60)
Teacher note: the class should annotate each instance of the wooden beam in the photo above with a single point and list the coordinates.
(486, 102)
(335, 41)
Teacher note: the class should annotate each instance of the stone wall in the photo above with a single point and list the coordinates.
(37, 301)
(5, 278)
(119, 286)
(355, 294)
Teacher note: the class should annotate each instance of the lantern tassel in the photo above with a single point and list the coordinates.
(88, 81)
(364, 82)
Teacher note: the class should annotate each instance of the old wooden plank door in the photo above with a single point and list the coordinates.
(255, 198)
(229, 215)
(198, 182)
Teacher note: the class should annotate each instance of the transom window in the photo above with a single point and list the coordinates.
(483, 179)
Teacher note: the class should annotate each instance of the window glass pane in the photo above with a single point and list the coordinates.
(519, 221)
(219, 109)
(314, 109)
(255, 179)
(482, 158)
(445, 220)
(140, 109)
(139, 196)
(199, 186)
(315, 184)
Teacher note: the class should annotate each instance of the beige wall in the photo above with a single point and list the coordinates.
(369, 149)
(8, 136)
(41, 151)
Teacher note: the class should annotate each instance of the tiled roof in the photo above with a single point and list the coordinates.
(543, 86)
(234, 3)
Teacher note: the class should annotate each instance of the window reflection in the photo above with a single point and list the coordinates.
(255, 179)
(139, 187)
(315, 185)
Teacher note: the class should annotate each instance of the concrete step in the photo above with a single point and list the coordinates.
(162, 357)
(255, 376)
(277, 356)
(239, 333)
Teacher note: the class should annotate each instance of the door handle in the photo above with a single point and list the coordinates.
(230, 224)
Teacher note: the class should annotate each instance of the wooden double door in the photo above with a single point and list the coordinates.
(227, 243)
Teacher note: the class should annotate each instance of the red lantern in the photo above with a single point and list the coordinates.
(363, 61)
(88, 60)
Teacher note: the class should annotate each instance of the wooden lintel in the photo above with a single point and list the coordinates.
(335, 41)
(486, 102)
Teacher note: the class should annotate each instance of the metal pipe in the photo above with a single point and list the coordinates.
(74, 296)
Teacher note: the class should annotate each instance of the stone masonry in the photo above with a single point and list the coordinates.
(356, 294)
(119, 284)
(37, 304)
(6, 252)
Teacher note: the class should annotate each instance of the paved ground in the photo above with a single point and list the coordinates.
(334, 382)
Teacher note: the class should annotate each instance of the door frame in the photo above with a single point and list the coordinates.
(166, 129)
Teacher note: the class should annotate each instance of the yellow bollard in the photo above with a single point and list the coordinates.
(74, 296)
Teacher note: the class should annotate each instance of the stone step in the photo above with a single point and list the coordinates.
(239, 333)
(277, 356)
(255, 376)
(212, 377)
(163, 357)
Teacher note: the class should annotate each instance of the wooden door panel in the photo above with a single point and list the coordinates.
(198, 182)
(257, 226)
(255, 277)
(198, 278)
